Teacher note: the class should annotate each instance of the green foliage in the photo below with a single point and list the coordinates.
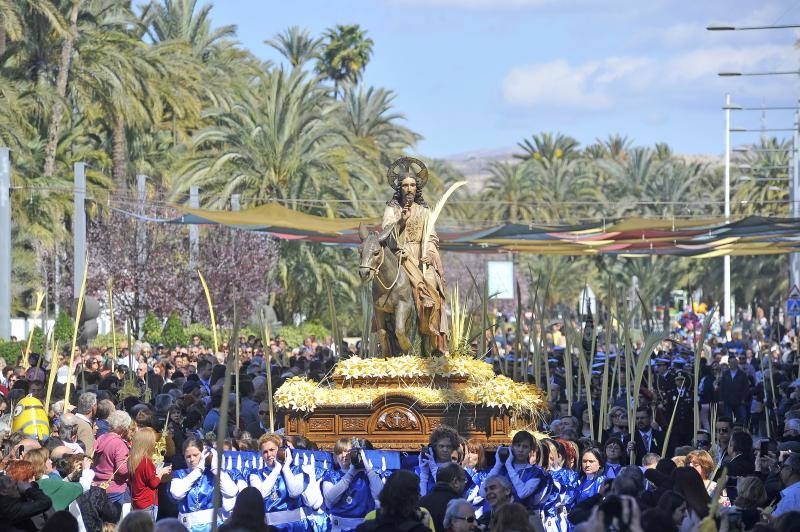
(151, 329)
(173, 333)
(63, 329)
(198, 329)
(11, 351)
(106, 340)
(294, 336)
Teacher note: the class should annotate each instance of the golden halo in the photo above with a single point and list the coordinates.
(404, 165)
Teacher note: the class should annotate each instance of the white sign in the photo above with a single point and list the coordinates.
(500, 274)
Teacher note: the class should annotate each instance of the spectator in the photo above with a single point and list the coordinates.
(399, 510)
(497, 492)
(734, 389)
(104, 409)
(23, 506)
(790, 495)
(750, 497)
(111, 458)
(248, 513)
(459, 516)
(450, 485)
(61, 521)
(740, 451)
(687, 483)
(646, 439)
(145, 478)
(675, 505)
(84, 419)
(702, 462)
(510, 517)
(137, 522)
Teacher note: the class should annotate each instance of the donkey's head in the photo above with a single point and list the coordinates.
(370, 252)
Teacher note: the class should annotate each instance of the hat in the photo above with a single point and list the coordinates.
(792, 446)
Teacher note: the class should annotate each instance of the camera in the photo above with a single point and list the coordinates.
(280, 456)
(502, 453)
(355, 458)
(425, 450)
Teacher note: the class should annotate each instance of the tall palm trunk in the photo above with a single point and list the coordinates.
(54, 128)
(119, 150)
(2, 35)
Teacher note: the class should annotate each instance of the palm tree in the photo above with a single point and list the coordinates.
(276, 142)
(510, 186)
(345, 55)
(548, 147)
(760, 188)
(617, 146)
(180, 20)
(628, 178)
(296, 45)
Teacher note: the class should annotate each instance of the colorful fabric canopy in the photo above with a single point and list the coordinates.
(700, 238)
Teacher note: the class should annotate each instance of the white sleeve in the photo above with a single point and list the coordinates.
(294, 483)
(333, 492)
(86, 479)
(522, 489)
(265, 486)
(179, 487)
(375, 483)
(227, 486)
(312, 495)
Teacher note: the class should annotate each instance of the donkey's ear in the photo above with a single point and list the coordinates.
(363, 232)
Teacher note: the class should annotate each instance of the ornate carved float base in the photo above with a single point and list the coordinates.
(396, 423)
(397, 403)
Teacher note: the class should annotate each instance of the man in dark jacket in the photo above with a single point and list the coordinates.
(734, 391)
(22, 505)
(646, 439)
(450, 484)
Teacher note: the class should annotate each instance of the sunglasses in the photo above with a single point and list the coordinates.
(722, 429)
(470, 519)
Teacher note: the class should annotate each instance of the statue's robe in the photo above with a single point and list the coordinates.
(429, 289)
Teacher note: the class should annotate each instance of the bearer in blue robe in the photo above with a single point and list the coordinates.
(442, 443)
(349, 490)
(530, 483)
(592, 477)
(565, 486)
(280, 486)
(193, 487)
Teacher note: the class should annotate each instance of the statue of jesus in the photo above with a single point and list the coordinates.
(403, 225)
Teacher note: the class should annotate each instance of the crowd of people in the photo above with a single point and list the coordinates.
(137, 448)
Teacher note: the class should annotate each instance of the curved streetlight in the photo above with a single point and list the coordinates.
(776, 73)
(729, 27)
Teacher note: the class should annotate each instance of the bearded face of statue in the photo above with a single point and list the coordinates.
(408, 188)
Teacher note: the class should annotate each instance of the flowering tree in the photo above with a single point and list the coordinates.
(155, 276)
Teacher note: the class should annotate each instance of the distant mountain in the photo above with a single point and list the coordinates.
(473, 164)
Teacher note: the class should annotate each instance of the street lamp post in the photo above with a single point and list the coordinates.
(794, 258)
(727, 258)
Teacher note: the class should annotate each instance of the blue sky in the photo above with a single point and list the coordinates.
(484, 74)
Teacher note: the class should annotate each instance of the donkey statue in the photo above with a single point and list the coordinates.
(392, 296)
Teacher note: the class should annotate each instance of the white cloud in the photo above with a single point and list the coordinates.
(683, 76)
(558, 83)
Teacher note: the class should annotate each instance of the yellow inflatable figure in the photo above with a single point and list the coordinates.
(31, 419)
